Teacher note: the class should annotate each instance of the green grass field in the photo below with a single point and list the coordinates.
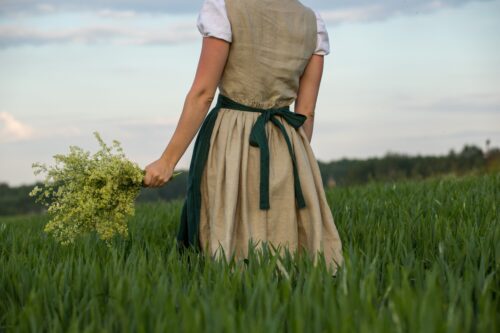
(419, 257)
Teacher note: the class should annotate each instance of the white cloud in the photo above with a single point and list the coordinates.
(45, 8)
(115, 12)
(355, 14)
(472, 103)
(365, 11)
(13, 129)
(29, 7)
(10, 7)
(11, 35)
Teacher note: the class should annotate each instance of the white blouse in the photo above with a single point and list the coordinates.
(213, 21)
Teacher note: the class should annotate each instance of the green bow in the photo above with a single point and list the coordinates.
(258, 139)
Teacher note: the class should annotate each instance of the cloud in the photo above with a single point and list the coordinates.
(361, 11)
(355, 14)
(15, 130)
(12, 129)
(472, 103)
(30, 7)
(27, 7)
(116, 14)
(14, 35)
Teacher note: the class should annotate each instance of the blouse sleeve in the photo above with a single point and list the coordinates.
(323, 44)
(213, 20)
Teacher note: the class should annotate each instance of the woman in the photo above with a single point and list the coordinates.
(253, 175)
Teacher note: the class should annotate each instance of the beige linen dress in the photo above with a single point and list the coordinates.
(231, 198)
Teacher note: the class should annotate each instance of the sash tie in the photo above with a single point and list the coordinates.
(258, 138)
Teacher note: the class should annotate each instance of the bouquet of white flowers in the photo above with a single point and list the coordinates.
(87, 193)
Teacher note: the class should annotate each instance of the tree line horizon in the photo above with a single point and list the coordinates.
(392, 166)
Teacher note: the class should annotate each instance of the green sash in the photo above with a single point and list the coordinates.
(190, 216)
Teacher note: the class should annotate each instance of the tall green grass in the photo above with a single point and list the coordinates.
(419, 257)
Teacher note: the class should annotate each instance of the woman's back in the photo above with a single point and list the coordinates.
(272, 42)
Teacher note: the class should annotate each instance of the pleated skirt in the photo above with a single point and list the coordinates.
(230, 217)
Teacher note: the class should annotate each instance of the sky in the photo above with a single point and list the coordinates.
(412, 77)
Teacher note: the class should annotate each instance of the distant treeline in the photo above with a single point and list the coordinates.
(394, 166)
(344, 172)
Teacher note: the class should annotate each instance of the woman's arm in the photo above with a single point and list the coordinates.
(211, 65)
(308, 92)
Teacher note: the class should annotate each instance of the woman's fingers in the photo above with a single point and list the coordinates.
(147, 180)
(155, 180)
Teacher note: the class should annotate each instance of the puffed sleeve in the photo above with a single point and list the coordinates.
(213, 20)
(323, 44)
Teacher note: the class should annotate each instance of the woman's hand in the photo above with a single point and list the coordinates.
(158, 173)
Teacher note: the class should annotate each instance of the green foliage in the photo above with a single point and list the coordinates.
(395, 166)
(344, 172)
(419, 257)
(86, 193)
(16, 200)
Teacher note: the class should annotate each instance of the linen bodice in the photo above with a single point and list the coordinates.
(271, 44)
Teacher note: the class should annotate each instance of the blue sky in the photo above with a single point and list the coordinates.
(417, 77)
